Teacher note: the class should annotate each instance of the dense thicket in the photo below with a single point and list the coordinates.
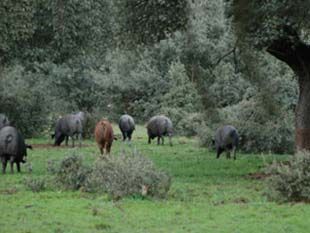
(177, 58)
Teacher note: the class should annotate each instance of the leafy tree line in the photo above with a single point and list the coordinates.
(180, 58)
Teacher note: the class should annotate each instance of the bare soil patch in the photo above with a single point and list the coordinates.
(56, 147)
(258, 175)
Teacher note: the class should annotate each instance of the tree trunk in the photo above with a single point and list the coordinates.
(302, 116)
(297, 56)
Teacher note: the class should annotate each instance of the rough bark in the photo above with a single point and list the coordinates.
(302, 116)
(296, 54)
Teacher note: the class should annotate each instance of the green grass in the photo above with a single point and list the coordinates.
(207, 195)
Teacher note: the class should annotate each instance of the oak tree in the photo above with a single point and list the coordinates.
(281, 28)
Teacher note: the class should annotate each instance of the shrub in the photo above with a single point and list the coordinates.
(35, 184)
(260, 131)
(205, 135)
(71, 173)
(290, 181)
(128, 175)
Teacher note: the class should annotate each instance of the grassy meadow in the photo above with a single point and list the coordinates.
(207, 195)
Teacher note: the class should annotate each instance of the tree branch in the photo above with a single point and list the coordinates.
(222, 57)
(295, 54)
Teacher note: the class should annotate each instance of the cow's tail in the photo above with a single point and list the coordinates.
(8, 139)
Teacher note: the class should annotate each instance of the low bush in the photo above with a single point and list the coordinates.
(290, 181)
(35, 184)
(129, 174)
(71, 173)
(205, 135)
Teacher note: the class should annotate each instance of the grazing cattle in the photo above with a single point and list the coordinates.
(159, 126)
(104, 136)
(4, 121)
(68, 126)
(12, 148)
(226, 139)
(83, 118)
(127, 126)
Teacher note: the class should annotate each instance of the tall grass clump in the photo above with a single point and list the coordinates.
(290, 181)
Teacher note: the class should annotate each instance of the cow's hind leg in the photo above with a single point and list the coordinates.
(12, 164)
(228, 154)
(72, 138)
(129, 136)
(234, 152)
(18, 166)
(124, 136)
(108, 147)
(4, 162)
(79, 137)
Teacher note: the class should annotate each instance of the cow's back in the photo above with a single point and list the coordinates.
(11, 142)
(226, 135)
(126, 123)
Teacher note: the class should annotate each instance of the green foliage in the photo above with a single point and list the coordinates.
(45, 30)
(71, 85)
(182, 61)
(131, 83)
(263, 114)
(260, 131)
(290, 181)
(35, 184)
(263, 22)
(71, 173)
(206, 135)
(16, 27)
(181, 102)
(229, 87)
(129, 174)
(27, 93)
(145, 22)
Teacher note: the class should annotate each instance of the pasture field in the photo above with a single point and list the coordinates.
(207, 195)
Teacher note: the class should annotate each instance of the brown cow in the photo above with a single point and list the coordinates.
(104, 135)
